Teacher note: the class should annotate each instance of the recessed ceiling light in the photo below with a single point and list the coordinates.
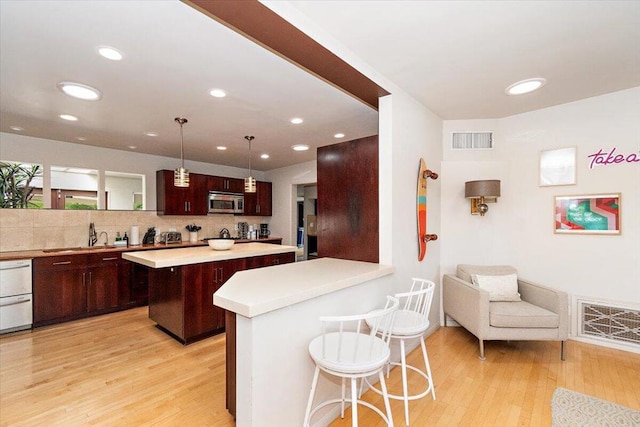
(133, 147)
(339, 135)
(218, 93)
(16, 128)
(151, 133)
(110, 53)
(221, 147)
(68, 117)
(81, 138)
(300, 147)
(296, 120)
(264, 156)
(80, 91)
(525, 86)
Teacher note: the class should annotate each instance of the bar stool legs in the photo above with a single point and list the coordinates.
(355, 401)
(405, 384)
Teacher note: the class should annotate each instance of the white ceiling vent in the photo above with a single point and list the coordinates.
(472, 140)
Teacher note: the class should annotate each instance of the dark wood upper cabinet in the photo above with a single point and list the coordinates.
(259, 203)
(172, 200)
(229, 185)
(347, 220)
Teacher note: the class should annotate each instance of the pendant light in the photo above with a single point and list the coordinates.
(181, 175)
(249, 182)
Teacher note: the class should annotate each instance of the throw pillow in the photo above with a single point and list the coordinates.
(500, 288)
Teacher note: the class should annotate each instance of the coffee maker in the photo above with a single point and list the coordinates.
(264, 231)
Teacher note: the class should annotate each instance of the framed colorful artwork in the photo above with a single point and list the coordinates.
(587, 214)
(558, 167)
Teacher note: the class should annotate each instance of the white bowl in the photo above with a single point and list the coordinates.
(221, 244)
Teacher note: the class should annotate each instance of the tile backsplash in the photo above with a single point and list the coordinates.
(33, 229)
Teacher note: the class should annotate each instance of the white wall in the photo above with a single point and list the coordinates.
(518, 230)
(284, 198)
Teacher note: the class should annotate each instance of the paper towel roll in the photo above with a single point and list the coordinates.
(134, 237)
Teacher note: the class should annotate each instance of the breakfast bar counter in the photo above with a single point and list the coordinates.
(271, 316)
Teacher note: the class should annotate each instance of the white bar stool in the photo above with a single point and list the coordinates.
(346, 351)
(411, 321)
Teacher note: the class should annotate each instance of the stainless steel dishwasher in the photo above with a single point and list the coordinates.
(16, 302)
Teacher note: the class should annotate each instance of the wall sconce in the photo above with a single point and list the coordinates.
(481, 193)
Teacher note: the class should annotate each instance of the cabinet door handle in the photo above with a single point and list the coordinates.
(110, 259)
(61, 263)
(258, 208)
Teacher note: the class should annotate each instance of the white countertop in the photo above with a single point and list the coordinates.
(195, 255)
(251, 293)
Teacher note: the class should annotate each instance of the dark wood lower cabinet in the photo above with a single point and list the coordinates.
(58, 295)
(70, 287)
(181, 298)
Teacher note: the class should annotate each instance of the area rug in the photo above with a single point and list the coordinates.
(573, 409)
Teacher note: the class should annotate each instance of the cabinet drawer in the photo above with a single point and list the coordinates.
(60, 262)
(104, 258)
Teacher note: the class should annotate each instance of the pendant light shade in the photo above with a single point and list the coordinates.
(250, 181)
(181, 175)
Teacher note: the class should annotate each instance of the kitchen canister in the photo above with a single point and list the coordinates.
(134, 236)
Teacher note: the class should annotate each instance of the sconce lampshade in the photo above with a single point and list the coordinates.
(483, 188)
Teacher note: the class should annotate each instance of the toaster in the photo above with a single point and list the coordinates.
(170, 237)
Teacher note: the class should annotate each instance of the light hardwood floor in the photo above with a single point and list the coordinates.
(119, 370)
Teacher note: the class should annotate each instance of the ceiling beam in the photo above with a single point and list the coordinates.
(260, 24)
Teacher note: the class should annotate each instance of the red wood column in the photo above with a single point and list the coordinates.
(348, 200)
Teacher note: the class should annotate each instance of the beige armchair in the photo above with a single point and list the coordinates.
(542, 313)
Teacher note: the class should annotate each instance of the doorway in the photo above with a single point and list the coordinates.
(307, 209)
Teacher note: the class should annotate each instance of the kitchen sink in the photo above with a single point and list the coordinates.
(77, 249)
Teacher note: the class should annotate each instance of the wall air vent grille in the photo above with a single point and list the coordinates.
(472, 140)
(607, 322)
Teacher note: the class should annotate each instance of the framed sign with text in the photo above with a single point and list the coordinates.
(587, 214)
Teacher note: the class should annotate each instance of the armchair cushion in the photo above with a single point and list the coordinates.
(521, 314)
(500, 288)
(464, 271)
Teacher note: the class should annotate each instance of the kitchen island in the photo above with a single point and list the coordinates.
(182, 282)
(272, 315)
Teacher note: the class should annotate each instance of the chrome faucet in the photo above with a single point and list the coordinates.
(106, 237)
(93, 237)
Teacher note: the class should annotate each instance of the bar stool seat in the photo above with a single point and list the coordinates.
(411, 321)
(346, 351)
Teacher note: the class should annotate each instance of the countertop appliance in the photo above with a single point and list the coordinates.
(264, 231)
(170, 237)
(16, 302)
(220, 202)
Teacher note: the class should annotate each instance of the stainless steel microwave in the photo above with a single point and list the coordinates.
(229, 203)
